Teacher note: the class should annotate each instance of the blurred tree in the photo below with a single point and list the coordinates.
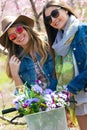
(35, 14)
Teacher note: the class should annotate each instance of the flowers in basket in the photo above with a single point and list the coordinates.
(36, 99)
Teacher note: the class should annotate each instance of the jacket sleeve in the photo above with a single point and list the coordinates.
(78, 83)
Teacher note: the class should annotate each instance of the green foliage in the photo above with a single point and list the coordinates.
(3, 76)
(86, 16)
(3, 58)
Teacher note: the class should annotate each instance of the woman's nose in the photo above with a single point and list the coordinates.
(53, 19)
(18, 34)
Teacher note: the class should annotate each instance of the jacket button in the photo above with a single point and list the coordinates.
(79, 63)
(74, 49)
(48, 74)
(80, 42)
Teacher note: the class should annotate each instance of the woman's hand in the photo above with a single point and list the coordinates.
(14, 64)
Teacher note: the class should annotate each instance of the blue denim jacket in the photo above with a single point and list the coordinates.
(79, 47)
(28, 74)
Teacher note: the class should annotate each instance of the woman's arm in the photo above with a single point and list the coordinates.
(14, 64)
(78, 83)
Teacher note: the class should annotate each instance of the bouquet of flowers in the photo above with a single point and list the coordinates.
(36, 99)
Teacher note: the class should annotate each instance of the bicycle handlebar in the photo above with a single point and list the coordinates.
(9, 110)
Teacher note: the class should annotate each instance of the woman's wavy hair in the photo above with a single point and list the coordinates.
(51, 32)
(37, 43)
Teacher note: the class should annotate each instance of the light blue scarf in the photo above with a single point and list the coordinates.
(62, 41)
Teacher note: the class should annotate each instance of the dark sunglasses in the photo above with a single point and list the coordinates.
(13, 36)
(54, 14)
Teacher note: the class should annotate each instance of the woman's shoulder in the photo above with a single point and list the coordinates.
(82, 29)
(26, 59)
(26, 63)
(82, 32)
(83, 25)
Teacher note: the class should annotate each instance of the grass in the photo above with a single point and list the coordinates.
(3, 78)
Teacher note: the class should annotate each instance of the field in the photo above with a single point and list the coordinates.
(6, 101)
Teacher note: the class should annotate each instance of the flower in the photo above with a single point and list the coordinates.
(36, 99)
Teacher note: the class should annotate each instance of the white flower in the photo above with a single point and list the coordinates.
(19, 98)
(48, 98)
(62, 95)
(60, 102)
(53, 105)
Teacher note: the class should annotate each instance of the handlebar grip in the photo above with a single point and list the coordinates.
(8, 110)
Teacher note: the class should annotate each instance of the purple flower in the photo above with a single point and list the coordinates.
(29, 101)
(25, 105)
(38, 81)
(35, 100)
(47, 91)
(17, 105)
(37, 89)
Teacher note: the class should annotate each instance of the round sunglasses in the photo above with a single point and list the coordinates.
(13, 36)
(54, 14)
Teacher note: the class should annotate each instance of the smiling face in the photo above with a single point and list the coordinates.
(18, 35)
(59, 20)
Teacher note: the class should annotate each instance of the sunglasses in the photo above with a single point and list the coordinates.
(54, 14)
(13, 36)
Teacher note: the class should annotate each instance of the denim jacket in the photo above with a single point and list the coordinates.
(79, 47)
(28, 74)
